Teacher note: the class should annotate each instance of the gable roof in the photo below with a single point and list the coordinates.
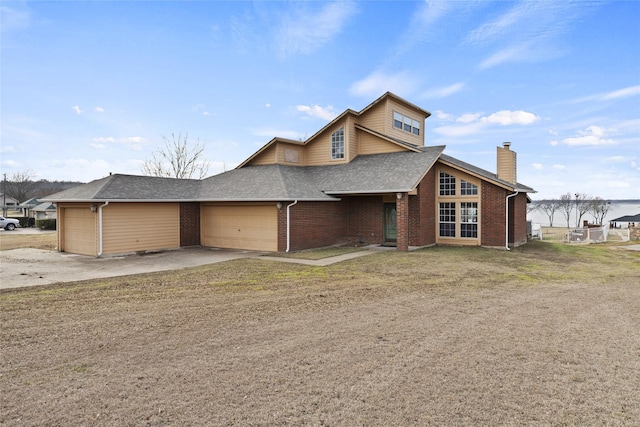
(628, 218)
(484, 174)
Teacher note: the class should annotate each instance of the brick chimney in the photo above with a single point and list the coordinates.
(506, 161)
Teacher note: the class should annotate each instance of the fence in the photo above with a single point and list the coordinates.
(587, 235)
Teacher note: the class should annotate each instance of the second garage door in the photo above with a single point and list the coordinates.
(241, 227)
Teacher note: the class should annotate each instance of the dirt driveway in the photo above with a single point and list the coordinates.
(33, 267)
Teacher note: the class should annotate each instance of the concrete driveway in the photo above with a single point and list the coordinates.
(32, 267)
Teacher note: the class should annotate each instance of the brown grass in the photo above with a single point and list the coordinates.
(545, 334)
(12, 240)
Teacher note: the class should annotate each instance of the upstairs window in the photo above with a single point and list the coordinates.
(467, 188)
(337, 144)
(447, 184)
(406, 124)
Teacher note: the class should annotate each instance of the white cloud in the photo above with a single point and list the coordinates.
(472, 123)
(377, 83)
(559, 167)
(615, 159)
(272, 133)
(537, 166)
(553, 143)
(591, 136)
(14, 18)
(468, 117)
(443, 92)
(99, 110)
(622, 93)
(135, 143)
(506, 117)
(306, 31)
(442, 115)
(267, 105)
(77, 109)
(328, 113)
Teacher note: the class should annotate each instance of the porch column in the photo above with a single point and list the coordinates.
(402, 222)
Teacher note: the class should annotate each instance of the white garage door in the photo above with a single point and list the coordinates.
(240, 227)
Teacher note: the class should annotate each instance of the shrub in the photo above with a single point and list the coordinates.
(46, 224)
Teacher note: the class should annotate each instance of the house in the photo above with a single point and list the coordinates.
(366, 177)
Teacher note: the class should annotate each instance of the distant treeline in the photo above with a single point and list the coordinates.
(27, 189)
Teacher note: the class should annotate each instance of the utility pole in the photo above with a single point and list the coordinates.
(4, 195)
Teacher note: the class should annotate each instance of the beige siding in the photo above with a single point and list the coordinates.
(375, 118)
(290, 155)
(398, 133)
(251, 227)
(319, 150)
(267, 157)
(77, 229)
(130, 227)
(506, 161)
(370, 144)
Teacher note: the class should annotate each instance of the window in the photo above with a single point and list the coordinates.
(406, 124)
(447, 184)
(447, 219)
(337, 144)
(469, 219)
(467, 188)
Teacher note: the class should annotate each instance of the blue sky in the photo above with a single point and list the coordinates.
(89, 88)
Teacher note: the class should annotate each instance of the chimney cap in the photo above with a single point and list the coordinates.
(506, 145)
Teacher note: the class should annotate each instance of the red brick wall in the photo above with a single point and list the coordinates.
(189, 224)
(402, 210)
(313, 225)
(492, 215)
(518, 220)
(366, 219)
(422, 212)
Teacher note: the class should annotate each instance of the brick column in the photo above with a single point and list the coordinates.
(402, 222)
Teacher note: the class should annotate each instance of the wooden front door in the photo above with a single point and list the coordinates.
(390, 224)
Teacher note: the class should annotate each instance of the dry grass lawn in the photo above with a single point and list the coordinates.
(543, 335)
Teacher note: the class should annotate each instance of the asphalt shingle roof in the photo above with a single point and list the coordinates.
(375, 173)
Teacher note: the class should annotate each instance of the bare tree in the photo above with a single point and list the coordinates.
(565, 203)
(178, 159)
(549, 207)
(21, 186)
(599, 209)
(583, 205)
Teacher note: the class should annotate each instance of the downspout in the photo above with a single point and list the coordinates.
(506, 220)
(100, 228)
(288, 226)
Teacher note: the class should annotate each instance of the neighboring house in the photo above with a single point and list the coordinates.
(366, 177)
(45, 210)
(28, 205)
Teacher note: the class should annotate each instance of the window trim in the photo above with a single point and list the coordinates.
(406, 123)
(337, 145)
(469, 220)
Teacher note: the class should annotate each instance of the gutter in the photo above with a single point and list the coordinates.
(288, 228)
(506, 220)
(100, 228)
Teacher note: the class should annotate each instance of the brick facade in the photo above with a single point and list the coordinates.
(518, 220)
(492, 215)
(422, 212)
(189, 224)
(312, 225)
(366, 219)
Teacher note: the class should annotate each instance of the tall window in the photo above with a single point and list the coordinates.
(337, 144)
(467, 188)
(469, 219)
(447, 184)
(406, 124)
(447, 218)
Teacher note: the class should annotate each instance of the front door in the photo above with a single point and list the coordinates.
(390, 224)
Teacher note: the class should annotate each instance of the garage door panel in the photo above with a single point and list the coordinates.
(241, 227)
(79, 230)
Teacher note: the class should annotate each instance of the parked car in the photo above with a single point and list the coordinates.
(9, 223)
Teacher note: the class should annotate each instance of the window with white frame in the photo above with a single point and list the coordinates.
(447, 184)
(447, 219)
(467, 188)
(469, 219)
(407, 124)
(337, 144)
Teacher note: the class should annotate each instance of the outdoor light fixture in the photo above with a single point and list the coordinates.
(279, 205)
(93, 208)
(399, 196)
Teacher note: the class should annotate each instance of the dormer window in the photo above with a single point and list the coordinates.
(405, 123)
(337, 144)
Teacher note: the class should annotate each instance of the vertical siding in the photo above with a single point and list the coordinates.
(131, 227)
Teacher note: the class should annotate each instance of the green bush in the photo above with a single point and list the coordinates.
(24, 220)
(46, 224)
